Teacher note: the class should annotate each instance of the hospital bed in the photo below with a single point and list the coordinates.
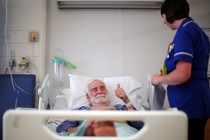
(158, 125)
(32, 124)
(43, 93)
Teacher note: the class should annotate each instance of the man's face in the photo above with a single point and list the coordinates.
(98, 93)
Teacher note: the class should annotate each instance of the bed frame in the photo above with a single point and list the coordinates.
(43, 93)
(29, 124)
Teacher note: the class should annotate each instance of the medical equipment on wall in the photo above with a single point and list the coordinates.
(58, 68)
(24, 63)
(58, 71)
(58, 64)
(12, 60)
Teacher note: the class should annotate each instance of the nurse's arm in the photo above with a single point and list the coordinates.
(179, 76)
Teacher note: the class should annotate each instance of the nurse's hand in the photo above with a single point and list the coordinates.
(156, 79)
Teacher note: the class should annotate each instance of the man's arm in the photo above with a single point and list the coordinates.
(130, 106)
(72, 129)
(120, 93)
(68, 126)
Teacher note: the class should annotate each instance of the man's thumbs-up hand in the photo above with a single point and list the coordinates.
(120, 93)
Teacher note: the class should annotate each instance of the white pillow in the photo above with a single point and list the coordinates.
(78, 90)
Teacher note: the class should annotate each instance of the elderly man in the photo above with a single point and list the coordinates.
(97, 95)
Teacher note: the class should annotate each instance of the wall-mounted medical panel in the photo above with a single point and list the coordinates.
(18, 18)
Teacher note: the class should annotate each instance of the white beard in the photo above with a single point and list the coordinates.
(100, 99)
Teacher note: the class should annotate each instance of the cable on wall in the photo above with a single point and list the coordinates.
(14, 84)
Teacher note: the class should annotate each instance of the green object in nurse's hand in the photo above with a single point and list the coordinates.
(164, 69)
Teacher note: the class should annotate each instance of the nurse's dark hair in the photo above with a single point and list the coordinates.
(175, 9)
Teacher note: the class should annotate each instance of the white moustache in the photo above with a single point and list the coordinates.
(100, 96)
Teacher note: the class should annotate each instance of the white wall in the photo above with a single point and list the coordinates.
(23, 16)
(107, 42)
(113, 42)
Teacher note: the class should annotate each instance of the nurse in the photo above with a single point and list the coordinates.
(185, 67)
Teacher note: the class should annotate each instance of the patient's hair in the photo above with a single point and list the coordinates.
(175, 10)
(89, 82)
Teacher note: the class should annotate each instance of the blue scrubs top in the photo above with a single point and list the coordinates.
(190, 44)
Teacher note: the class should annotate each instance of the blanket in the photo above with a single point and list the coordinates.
(123, 130)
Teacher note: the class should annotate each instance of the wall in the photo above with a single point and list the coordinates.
(23, 16)
(107, 42)
(113, 42)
